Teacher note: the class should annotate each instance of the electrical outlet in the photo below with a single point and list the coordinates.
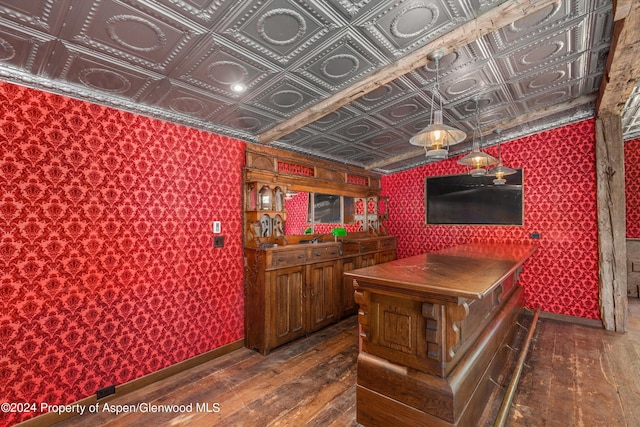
(218, 241)
(106, 391)
(534, 235)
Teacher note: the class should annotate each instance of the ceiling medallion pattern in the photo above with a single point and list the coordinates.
(424, 24)
(187, 105)
(536, 19)
(7, 52)
(251, 29)
(102, 79)
(176, 60)
(277, 25)
(121, 21)
(337, 66)
(227, 72)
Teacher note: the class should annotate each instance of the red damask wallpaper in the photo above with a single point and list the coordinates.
(632, 187)
(297, 212)
(107, 266)
(559, 203)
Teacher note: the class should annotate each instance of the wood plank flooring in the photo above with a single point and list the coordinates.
(575, 376)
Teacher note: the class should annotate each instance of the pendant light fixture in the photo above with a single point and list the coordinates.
(437, 137)
(477, 159)
(500, 171)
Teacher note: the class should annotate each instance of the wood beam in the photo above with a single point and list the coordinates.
(621, 9)
(623, 62)
(505, 124)
(612, 246)
(490, 21)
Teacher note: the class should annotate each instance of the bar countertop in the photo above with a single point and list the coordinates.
(469, 271)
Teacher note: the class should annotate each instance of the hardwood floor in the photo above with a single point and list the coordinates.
(575, 376)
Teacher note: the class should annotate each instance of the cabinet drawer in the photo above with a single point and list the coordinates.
(319, 254)
(288, 258)
(387, 244)
(369, 246)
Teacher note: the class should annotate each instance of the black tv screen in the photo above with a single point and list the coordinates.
(467, 200)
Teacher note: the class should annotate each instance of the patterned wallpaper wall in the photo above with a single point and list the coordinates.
(107, 270)
(297, 212)
(559, 203)
(297, 207)
(632, 187)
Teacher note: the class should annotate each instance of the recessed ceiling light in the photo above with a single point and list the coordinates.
(238, 87)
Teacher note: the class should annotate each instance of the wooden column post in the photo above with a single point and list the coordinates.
(611, 223)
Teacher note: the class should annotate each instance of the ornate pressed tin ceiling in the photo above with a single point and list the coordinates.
(177, 59)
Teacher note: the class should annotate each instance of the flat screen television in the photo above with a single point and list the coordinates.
(467, 200)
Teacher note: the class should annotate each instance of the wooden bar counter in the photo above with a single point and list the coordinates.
(431, 333)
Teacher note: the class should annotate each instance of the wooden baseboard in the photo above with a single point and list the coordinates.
(592, 323)
(133, 385)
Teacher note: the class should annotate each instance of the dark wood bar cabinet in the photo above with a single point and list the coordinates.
(431, 331)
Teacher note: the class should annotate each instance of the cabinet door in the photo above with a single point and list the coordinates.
(386, 256)
(286, 321)
(323, 301)
(367, 260)
(347, 303)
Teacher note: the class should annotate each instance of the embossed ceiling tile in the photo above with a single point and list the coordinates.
(352, 9)
(383, 139)
(560, 46)
(367, 157)
(591, 84)
(347, 151)
(216, 65)
(404, 25)
(135, 33)
(27, 51)
(358, 129)
(279, 30)
(386, 93)
(600, 25)
(319, 143)
(206, 12)
(597, 61)
(248, 119)
(496, 102)
(455, 61)
(482, 6)
(543, 80)
(473, 79)
(174, 97)
(46, 16)
(524, 30)
(339, 62)
(287, 96)
(333, 119)
(550, 97)
(487, 118)
(108, 76)
(403, 110)
(296, 136)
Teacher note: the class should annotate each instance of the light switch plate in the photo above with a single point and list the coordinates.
(217, 227)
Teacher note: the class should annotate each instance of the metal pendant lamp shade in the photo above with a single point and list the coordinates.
(437, 137)
(477, 159)
(501, 170)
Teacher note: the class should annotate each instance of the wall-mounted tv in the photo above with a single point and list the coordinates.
(467, 200)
